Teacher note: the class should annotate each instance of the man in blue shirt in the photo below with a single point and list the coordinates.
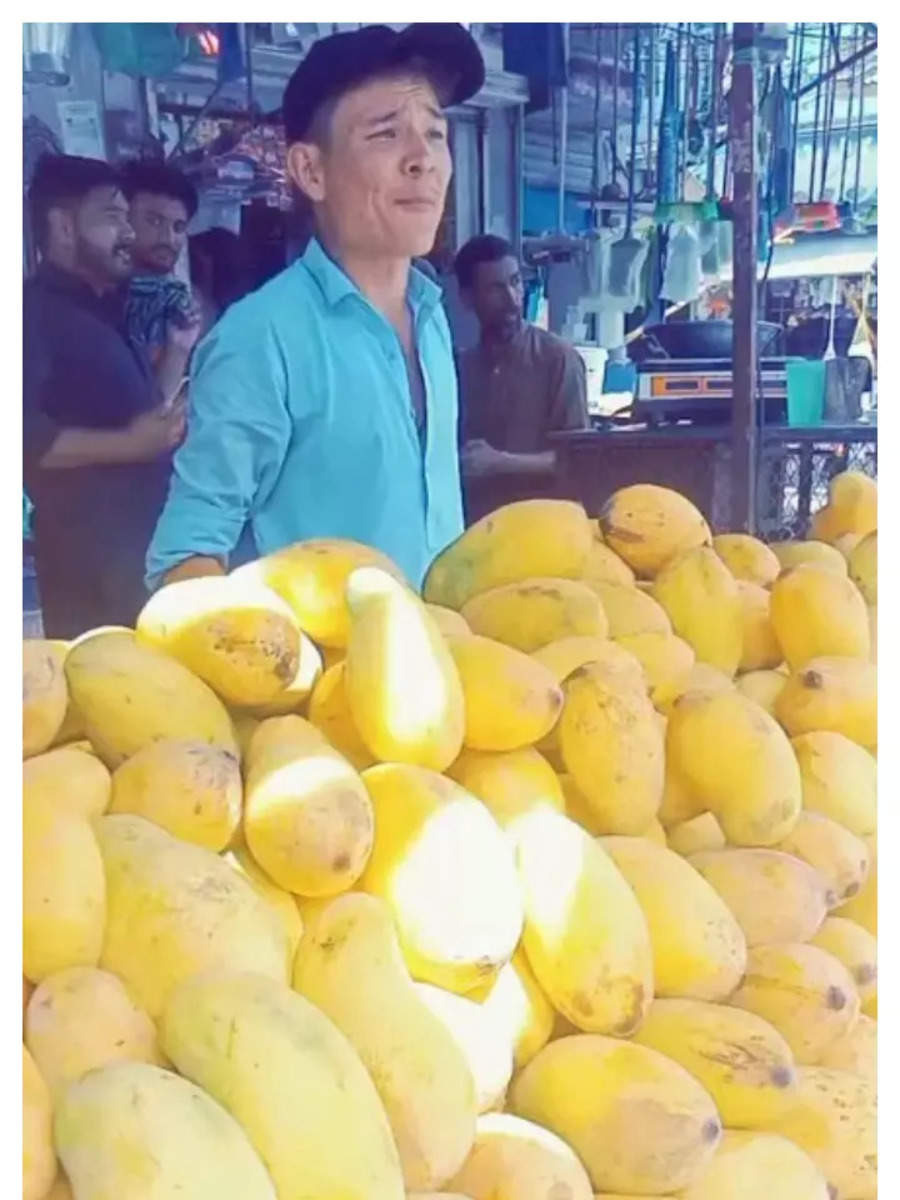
(325, 404)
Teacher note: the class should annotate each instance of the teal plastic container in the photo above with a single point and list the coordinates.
(805, 391)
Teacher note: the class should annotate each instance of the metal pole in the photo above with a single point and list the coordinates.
(796, 124)
(859, 128)
(564, 134)
(831, 96)
(743, 154)
(519, 168)
(851, 92)
(617, 49)
(651, 101)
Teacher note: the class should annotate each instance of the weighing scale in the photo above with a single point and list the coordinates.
(700, 390)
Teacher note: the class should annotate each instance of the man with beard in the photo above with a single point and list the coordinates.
(518, 385)
(161, 204)
(98, 429)
(325, 404)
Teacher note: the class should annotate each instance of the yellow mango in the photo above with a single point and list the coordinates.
(576, 806)
(450, 623)
(191, 789)
(526, 539)
(856, 1052)
(679, 803)
(329, 711)
(63, 890)
(232, 632)
(509, 784)
(611, 745)
(649, 525)
(667, 662)
(774, 896)
(174, 910)
(294, 697)
(447, 873)
(603, 565)
(486, 1043)
(530, 614)
(61, 1189)
(307, 815)
(872, 613)
(703, 602)
(840, 780)
(853, 498)
(862, 566)
(761, 648)
(856, 948)
(747, 558)
(38, 1154)
(837, 695)
(863, 907)
(817, 553)
(585, 935)
(847, 543)
(402, 685)
(655, 833)
(815, 612)
(736, 762)
(131, 1129)
(518, 1160)
(311, 577)
(349, 965)
(637, 1120)
(748, 1166)
(763, 687)
(282, 903)
(131, 695)
(839, 856)
(511, 700)
(45, 696)
(630, 611)
(743, 1062)
(245, 725)
(519, 1004)
(81, 1019)
(806, 993)
(68, 777)
(834, 1119)
(699, 951)
(564, 656)
(694, 835)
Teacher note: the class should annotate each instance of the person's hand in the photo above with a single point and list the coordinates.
(479, 458)
(154, 433)
(183, 330)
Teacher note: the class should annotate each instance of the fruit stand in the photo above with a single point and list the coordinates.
(559, 877)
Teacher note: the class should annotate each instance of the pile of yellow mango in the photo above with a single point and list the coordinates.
(554, 882)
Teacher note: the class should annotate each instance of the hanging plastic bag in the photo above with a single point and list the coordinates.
(683, 275)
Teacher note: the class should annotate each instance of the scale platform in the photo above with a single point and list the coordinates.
(701, 390)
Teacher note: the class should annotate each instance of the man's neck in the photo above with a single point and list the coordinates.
(383, 281)
(496, 342)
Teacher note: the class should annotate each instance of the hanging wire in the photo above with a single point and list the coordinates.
(829, 117)
(595, 165)
(851, 94)
(617, 48)
(815, 143)
(796, 94)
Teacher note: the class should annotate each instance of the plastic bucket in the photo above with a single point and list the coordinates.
(805, 392)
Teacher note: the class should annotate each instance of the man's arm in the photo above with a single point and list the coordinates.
(238, 435)
(149, 436)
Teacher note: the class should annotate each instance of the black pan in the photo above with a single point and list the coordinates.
(704, 339)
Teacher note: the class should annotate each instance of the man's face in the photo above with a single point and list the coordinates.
(380, 179)
(496, 297)
(160, 227)
(100, 236)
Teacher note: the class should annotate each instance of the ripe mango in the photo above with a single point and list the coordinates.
(840, 780)
(839, 856)
(748, 1166)
(45, 696)
(649, 525)
(761, 649)
(535, 611)
(520, 1161)
(837, 695)
(747, 558)
(703, 602)
(816, 613)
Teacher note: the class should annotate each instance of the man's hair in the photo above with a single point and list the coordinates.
(64, 179)
(159, 179)
(486, 248)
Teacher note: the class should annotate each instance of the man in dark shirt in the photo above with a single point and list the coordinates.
(516, 386)
(98, 432)
(162, 202)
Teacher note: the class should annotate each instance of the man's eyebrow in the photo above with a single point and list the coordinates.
(392, 116)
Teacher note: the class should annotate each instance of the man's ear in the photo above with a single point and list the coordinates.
(465, 294)
(61, 226)
(305, 168)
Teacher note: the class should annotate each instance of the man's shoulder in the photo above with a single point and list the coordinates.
(279, 301)
(549, 345)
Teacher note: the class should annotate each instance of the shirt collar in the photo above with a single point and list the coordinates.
(336, 285)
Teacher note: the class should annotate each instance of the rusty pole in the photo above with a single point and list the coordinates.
(744, 159)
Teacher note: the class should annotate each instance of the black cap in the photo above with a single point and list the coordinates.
(338, 63)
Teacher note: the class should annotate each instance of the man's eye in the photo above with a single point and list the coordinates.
(438, 135)
(383, 135)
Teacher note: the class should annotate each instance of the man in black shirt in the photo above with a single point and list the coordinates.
(99, 429)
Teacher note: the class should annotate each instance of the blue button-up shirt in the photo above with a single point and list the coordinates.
(302, 423)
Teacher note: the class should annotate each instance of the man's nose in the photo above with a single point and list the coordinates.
(419, 156)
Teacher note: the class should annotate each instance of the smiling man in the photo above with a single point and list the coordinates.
(325, 404)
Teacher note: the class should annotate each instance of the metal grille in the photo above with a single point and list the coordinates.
(794, 478)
